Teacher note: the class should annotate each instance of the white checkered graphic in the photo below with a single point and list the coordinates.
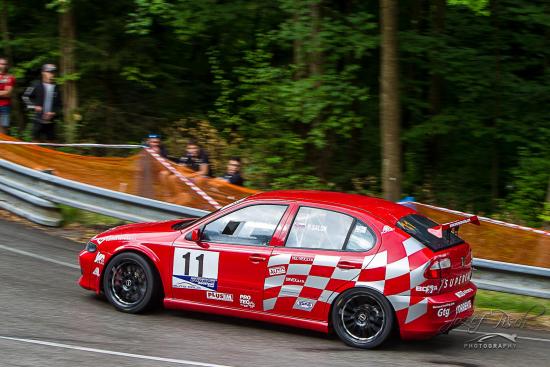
(377, 263)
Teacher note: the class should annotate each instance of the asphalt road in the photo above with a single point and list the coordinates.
(46, 319)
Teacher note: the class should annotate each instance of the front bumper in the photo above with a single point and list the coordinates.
(91, 268)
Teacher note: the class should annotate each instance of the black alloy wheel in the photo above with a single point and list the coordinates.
(130, 283)
(362, 318)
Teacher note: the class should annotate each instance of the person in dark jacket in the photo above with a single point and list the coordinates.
(196, 159)
(233, 172)
(44, 98)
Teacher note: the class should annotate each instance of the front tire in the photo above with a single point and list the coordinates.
(130, 283)
(362, 318)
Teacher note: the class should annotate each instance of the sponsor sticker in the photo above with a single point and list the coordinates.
(99, 258)
(117, 237)
(189, 282)
(304, 304)
(461, 294)
(461, 279)
(303, 258)
(317, 227)
(218, 296)
(465, 306)
(448, 304)
(277, 270)
(387, 229)
(294, 280)
(426, 289)
(245, 300)
(444, 312)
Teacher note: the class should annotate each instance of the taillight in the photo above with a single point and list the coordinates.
(434, 270)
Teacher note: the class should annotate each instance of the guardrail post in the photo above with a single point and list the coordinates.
(144, 176)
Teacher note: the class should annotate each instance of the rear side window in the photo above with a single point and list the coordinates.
(417, 226)
(329, 230)
(361, 238)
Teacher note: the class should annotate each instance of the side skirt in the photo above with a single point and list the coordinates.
(246, 314)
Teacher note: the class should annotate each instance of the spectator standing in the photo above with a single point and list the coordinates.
(196, 159)
(233, 172)
(44, 98)
(7, 82)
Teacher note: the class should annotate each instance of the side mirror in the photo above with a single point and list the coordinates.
(196, 235)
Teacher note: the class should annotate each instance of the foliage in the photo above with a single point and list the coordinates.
(488, 300)
(74, 216)
(292, 87)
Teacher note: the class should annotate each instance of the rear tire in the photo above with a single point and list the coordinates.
(130, 283)
(362, 318)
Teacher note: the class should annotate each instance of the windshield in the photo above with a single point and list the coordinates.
(417, 226)
(186, 223)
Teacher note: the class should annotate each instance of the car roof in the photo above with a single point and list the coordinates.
(383, 209)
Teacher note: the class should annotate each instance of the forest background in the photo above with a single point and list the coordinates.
(443, 100)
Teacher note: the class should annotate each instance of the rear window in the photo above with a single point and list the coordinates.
(417, 226)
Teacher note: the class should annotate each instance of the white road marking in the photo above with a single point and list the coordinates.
(40, 257)
(519, 337)
(114, 353)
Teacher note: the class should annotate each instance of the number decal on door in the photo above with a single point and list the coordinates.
(195, 269)
(187, 258)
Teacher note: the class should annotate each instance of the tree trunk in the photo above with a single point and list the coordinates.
(316, 56)
(67, 37)
(315, 66)
(495, 161)
(433, 144)
(546, 223)
(5, 32)
(436, 81)
(390, 113)
(298, 54)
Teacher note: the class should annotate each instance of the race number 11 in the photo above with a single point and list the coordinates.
(196, 263)
(200, 259)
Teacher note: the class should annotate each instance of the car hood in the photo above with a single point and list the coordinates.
(141, 230)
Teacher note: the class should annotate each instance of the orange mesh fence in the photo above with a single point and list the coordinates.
(138, 174)
(141, 174)
(497, 242)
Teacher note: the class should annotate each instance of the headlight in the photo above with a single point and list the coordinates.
(91, 247)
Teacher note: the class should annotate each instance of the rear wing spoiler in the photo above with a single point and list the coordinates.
(438, 230)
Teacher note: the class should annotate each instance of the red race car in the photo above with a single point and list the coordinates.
(357, 265)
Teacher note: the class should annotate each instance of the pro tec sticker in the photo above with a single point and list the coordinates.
(195, 269)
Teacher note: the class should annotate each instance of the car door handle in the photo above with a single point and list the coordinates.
(348, 265)
(255, 258)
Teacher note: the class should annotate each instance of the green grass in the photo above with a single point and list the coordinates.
(87, 219)
(511, 302)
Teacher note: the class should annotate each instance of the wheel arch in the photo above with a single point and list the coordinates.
(352, 288)
(145, 252)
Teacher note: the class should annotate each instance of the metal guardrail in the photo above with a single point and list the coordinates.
(28, 206)
(511, 278)
(25, 184)
(32, 194)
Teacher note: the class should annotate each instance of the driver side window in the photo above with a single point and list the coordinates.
(253, 225)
